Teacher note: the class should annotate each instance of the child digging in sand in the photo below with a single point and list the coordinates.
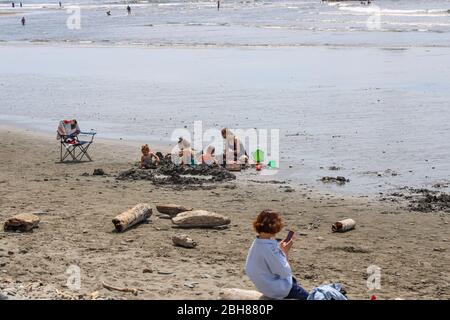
(148, 159)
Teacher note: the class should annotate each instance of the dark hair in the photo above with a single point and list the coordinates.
(224, 132)
(268, 221)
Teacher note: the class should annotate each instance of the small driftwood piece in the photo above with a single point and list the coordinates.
(183, 240)
(135, 215)
(110, 287)
(22, 222)
(200, 219)
(172, 209)
(343, 225)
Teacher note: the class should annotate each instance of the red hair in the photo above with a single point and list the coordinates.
(268, 221)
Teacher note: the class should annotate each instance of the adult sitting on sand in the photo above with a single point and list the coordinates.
(267, 263)
(208, 156)
(186, 154)
(234, 151)
(148, 159)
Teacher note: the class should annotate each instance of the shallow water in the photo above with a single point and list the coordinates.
(265, 23)
(374, 102)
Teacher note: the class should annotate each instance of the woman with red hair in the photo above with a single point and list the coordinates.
(267, 261)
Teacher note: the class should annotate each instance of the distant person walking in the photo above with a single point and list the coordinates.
(23, 21)
(13, 4)
(218, 5)
(60, 4)
(21, 4)
(129, 9)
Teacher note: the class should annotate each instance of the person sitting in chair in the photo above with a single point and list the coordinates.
(69, 130)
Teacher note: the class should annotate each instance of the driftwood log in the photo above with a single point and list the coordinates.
(129, 218)
(172, 209)
(22, 222)
(183, 240)
(241, 294)
(200, 219)
(110, 287)
(343, 225)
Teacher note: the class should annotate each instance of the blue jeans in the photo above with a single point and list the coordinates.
(297, 292)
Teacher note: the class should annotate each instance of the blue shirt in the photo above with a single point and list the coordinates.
(269, 269)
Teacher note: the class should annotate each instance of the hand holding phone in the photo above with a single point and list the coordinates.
(289, 236)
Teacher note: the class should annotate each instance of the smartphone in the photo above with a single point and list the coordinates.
(289, 236)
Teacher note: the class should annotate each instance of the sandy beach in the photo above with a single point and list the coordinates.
(348, 101)
(410, 248)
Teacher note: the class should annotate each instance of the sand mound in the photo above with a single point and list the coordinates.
(169, 173)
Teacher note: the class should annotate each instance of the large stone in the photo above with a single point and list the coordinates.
(241, 294)
(172, 209)
(200, 219)
(22, 222)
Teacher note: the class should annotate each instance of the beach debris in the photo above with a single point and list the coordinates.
(425, 200)
(200, 219)
(334, 168)
(343, 225)
(22, 222)
(110, 287)
(172, 209)
(98, 172)
(430, 201)
(165, 272)
(183, 240)
(339, 180)
(94, 295)
(171, 174)
(240, 294)
(349, 249)
(139, 213)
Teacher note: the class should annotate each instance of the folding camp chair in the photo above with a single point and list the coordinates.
(72, 146)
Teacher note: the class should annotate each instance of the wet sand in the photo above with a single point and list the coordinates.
(411, 248)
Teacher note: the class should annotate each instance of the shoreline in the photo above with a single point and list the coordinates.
(75, 229)
(106, 44)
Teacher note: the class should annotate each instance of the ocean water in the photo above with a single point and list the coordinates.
(360, 87)
(244, 23)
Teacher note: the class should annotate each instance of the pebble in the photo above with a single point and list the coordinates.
(164, 272)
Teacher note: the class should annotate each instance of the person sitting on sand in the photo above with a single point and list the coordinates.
(208, 156)
(234, 151)
(267, 263)
(148, 159)
(186, 154)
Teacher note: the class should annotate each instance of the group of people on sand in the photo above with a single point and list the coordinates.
(234, 152)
